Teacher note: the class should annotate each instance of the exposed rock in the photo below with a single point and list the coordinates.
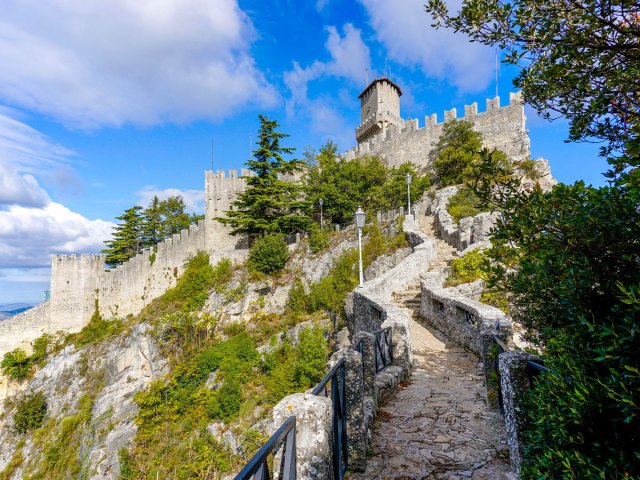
(125, 365)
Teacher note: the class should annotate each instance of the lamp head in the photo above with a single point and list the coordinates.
(360, 217)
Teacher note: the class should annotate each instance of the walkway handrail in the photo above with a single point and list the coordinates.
(339, 418)
(258, 469)
(383, 348)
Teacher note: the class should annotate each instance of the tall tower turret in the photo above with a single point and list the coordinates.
(379, 108)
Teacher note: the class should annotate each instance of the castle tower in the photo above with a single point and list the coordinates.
(220, 193)
(379, 108)
(74, 280)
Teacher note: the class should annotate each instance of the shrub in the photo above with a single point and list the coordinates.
(463, 204)
(294, 369)
(496, 299)
(97, 329)
(126, 469)
(298, 300)
(268, 254)
(30, 412)
(225, 403)
(468, 268)
(16, 364)
(318, 239)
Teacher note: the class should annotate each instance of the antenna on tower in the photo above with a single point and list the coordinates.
(496, 72)
(366, 76)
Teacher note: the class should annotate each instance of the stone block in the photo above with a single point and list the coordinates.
(313, 434)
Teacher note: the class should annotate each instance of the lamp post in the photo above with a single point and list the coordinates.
(360, 218)
(321, 201)
(408, 193)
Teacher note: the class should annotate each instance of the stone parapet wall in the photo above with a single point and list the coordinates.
(502, 128)
(459, 318)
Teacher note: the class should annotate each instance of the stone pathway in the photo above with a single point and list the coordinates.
(438, 426)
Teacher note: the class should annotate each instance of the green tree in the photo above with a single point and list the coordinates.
(127, 237)
(456, 154)
(270, 203)
(577, 59)
(152, 225)
(174, 219)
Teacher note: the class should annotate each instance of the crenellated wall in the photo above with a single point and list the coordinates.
(78, 280)
(502, 128)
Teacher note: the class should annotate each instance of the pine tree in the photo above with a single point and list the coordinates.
(126, 241)
(269, 204)
(152, 229)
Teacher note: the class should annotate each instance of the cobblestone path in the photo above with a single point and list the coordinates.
(438, 426)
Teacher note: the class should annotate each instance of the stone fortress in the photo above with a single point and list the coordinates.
(80, 282)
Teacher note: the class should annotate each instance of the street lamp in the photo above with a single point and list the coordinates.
(360, 218)
(321, 221)
(409, 193)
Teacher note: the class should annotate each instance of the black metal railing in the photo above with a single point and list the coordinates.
(334, 384)
(358, 347)
(383, 348)
(258, 466)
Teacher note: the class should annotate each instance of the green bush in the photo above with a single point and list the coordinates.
(126, 469)
(294, 369)
(16, 364)
(225, 403)
(318, 239)
(468, 268)
(268, 254)
(496, 299)
(30, 412)
(298, 300)
(96, 330)
(568, 259)
(463, 204)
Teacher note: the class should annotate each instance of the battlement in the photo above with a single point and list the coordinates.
(404, 140)
(78, 257)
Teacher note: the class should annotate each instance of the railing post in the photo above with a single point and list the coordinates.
(313, 434)
(354, 399)
(490, 365)
(514, 383)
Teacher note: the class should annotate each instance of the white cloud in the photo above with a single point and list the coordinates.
(405, 29)
(25, 152)
(193, 199)
(350, 58)
(97, 63)
(28, 236)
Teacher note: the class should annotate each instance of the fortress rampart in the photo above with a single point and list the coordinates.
(77, 281)
(502, 128)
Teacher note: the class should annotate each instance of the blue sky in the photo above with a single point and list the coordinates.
(104, 104)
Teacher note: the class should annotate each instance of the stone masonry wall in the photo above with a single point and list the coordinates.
(78, 280)
(502, 128)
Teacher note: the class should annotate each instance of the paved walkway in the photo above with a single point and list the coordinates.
(438, 426)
